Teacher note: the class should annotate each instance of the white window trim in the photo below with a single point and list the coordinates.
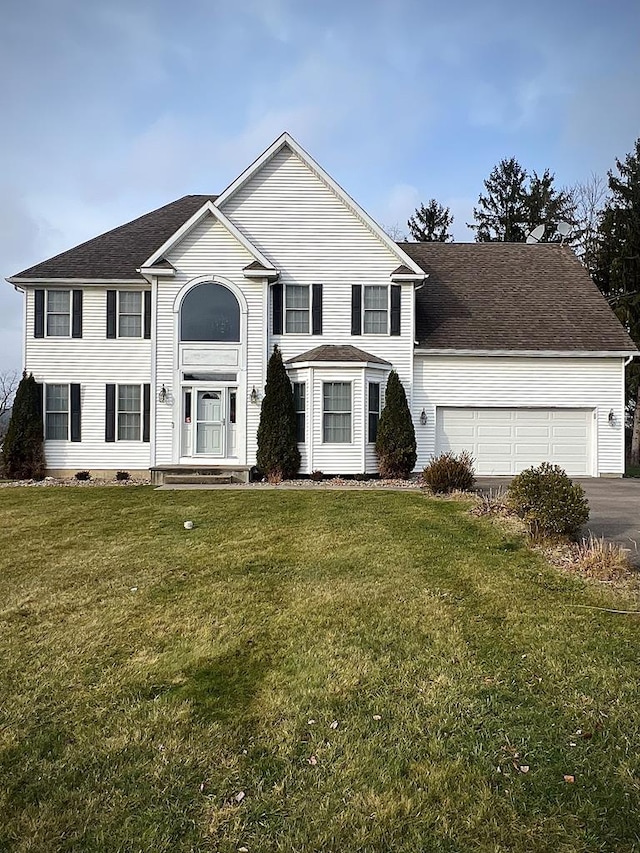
(350, 412)
(46, 411)
(129, 314)
(302, 412)
(140, 412)
(371, 382)
(68, 314)
(286, 310)
(388, 310)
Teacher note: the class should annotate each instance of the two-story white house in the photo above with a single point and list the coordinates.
(151, 341)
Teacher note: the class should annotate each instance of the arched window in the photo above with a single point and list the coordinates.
(210, 312)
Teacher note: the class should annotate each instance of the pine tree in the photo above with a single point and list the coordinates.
(516, 203)
(431, 224)
(545, 205)
(23, 449)
(501, 213)
(617, 267)
(396, 440)
(278, 455)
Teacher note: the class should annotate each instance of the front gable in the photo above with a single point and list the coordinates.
(293, 211)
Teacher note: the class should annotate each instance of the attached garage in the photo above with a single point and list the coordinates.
(506, 441)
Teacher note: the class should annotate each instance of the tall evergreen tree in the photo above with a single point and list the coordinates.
(396, 438)
(501, 213)
(431, 224)
(23, 449)
(545, 205)
(278, 455)
(617, 267)
(516, 202)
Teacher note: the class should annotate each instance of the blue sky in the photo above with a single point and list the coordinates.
(112, 108)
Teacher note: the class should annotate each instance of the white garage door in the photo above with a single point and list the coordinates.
(506, 441)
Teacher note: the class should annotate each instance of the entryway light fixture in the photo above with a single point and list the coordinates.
(612, 417)
(423, 418)
(162, 395)
(253, 396)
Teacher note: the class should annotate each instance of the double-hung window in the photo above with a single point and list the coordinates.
(58, 313)
(129, 407)
(297, 312)
(129, 314)
(376, 310)
(56, 419)
(299, 404)
(336, 412)
(374, 410)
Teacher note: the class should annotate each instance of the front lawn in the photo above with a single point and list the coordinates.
(304, 671)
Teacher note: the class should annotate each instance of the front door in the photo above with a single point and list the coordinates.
(210, 423)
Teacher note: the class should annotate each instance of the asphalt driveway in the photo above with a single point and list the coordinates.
(614, 505)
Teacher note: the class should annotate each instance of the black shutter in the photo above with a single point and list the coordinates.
(147, 314)
(146, 411)
(38, 324)
(40, 387)
(396, 290)
(316, 310)
(356, 309)
(110, 414)
(276, 295)
(111, 315)
(76, 314)
(75, 412)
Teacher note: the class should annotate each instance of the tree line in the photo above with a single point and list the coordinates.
(604, 216)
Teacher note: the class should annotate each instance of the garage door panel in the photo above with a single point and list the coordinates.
(506, 441)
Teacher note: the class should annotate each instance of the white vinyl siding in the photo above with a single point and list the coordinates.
(297, 309)
(375, 308)
(129, 419)
(506, 441)
(91, 362)
(56, 418)
(58, 313)
(595, 384)
(310, 235)
(129, 314)
(336, 412)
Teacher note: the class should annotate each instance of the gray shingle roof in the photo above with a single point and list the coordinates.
(512, 296)
(118, 253)
(481, 296)
(344, 352)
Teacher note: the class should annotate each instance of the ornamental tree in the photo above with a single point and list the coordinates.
(278, 455)
(23, 449)
(396, 439)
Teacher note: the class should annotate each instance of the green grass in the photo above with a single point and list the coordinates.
(632, 471)
(130, 720)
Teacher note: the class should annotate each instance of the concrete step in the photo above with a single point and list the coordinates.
(198, 479)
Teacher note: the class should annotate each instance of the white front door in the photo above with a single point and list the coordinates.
(210, 423)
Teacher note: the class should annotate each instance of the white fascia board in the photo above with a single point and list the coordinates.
(207, 209)
(288, 140)
(159, 272)
(270, 275)
(519, 353)
(342, 365)
(406, 277)
(78, 282)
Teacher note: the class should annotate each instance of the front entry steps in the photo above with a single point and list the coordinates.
(205, 475)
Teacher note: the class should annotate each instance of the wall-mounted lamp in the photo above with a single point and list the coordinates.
(162, 394)
(253, 396)
(612, 418)
(423, 418)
